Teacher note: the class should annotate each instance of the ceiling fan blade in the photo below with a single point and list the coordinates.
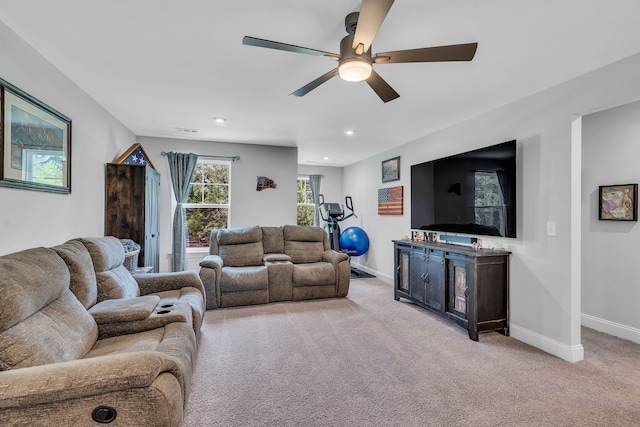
(314, 84)
(253, 41)
(372, 13)
(456, 52)
(382, 88)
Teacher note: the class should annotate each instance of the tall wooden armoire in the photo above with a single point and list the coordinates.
(132, 209)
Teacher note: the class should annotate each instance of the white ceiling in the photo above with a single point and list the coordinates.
(158, 65)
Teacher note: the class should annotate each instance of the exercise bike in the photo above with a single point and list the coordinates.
(334, 216)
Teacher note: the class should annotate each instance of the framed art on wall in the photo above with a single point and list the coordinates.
(618, 202)
(35, 143)
(391, 170)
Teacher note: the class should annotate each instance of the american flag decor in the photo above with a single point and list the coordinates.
(135, 155)
(135, 158)
(391, 201)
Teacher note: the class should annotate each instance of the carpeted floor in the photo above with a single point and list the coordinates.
(368, 360)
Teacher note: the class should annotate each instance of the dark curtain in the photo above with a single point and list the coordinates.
(181, 167)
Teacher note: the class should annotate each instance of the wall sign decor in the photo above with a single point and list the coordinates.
(35, 143)
(618, 202)
(391, 169)
(264, 182)
(135, 155)
(391, 200)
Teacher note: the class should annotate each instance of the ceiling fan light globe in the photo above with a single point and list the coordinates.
(355, 71)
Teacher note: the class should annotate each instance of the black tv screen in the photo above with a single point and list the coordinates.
(470, 193)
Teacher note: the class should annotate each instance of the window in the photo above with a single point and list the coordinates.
(207, 206)
(43, 166)
(489, 201)
(306, 207)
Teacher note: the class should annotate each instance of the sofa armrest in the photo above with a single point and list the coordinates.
(334, 257)
(124, 310)
(275, 258)
(151, 283)
(340, 262)
(210, 273)
(212, 261)
(79, 379)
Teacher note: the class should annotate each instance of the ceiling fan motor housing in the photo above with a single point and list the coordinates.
(353, 67)
(350, 22)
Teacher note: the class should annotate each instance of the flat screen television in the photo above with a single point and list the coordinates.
(471, 193)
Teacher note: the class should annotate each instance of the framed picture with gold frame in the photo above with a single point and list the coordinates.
(135, 155)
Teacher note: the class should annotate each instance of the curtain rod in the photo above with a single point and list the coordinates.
(232, 158)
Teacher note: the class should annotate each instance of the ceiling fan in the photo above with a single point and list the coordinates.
(355, 62)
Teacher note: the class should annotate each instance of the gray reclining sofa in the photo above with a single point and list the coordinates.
(258, 265)
(83, 342)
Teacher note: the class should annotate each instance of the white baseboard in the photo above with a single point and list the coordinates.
(566, 352)
(611, 328)
(379, 275)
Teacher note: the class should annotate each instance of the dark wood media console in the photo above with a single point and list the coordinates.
(468, 286)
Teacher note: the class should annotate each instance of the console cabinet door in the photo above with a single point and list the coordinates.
(402, 279)
(418, 273)
(435, 280)
(460, 276)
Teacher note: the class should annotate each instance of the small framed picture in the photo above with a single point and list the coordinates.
(391, 169)
(618, 202)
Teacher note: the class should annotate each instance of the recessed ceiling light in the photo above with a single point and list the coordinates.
(325, 158)
(220, 119)
(349, 132)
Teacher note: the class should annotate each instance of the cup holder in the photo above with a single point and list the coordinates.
(167, 305)
(163, 311)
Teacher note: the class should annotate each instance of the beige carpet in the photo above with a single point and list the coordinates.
(368, 360)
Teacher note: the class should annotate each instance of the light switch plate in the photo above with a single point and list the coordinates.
(551, 228)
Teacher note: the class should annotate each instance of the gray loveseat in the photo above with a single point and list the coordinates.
(83, 342)
(258, 265)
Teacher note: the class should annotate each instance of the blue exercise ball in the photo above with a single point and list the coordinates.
(354, 239)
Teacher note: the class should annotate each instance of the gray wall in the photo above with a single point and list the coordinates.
(610, 267)
(331, 185)
(249, 207)
(545, 270)
(32, 218)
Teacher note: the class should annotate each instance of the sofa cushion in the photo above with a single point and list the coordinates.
(41, 321)
(273, 239)
(304, 244)
(61, 331)
(236, 279)
(314, 274)
(83, 282)
(176, 341)
(240, 247)
(30, 280)
(113, 278)
(235, 236)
